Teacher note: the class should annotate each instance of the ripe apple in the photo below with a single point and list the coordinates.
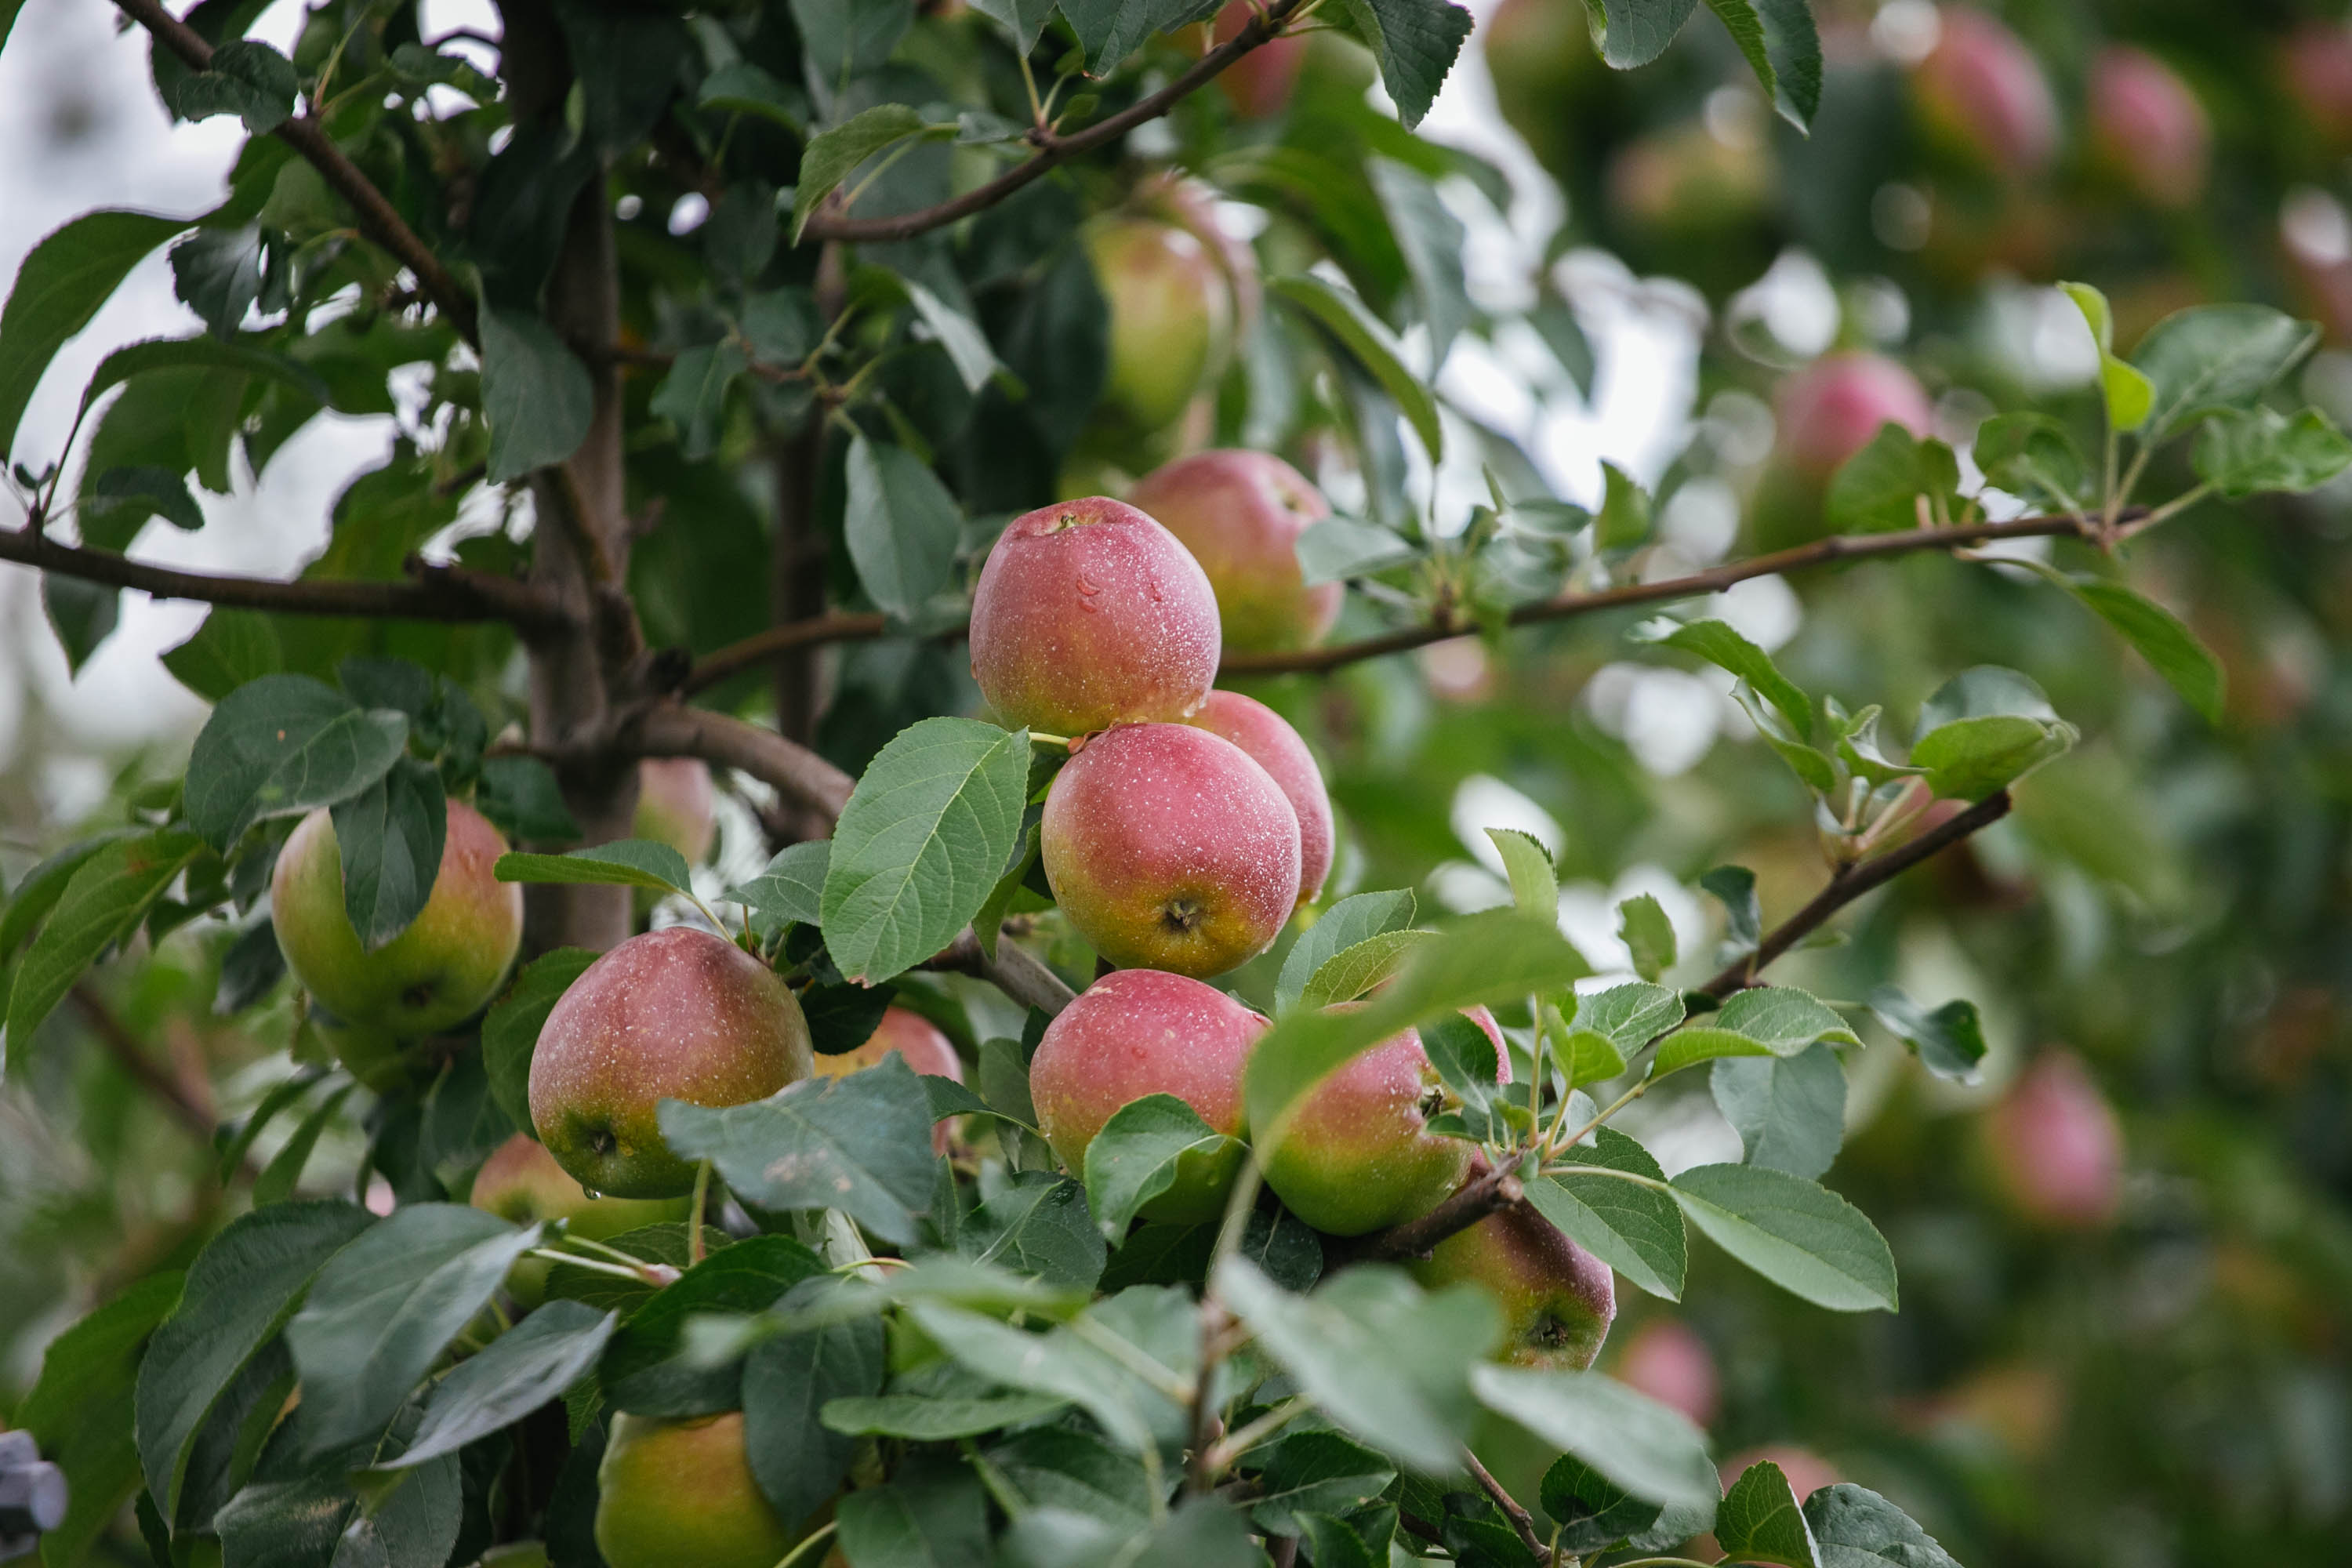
(1136, 1032)
(1167, 847)
(1088, 613)
(1558, 1299)
(680, 1494)
(2148, 127)
(522, 1183)
(1666, 1360)
(1275, 746)
(677, 1014)
(1258, 83)
(1982, 95)
(1836, 406)
(2057, 1150)
(438, 971)
(1241, 513)
(1172, 320)
(2315, 64)
(915, 1040)
(1685, 181)
(675, 805)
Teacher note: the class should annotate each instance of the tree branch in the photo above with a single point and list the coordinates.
(435, 592)
(382, 222)
(796, 773)
(1012, 971)
(1054, 150)
(132, 1059)
(1521, 1520)
(833, 626)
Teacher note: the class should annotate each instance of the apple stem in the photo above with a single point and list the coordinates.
(593, 1265)
(817, 1537)
(694, 1247)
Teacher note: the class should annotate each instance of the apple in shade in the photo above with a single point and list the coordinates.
(1167, 847)
(2148, 127)
(522, 1183)
(1358, 1155)
(680, 1494)
(1558, 1299)
(439, 971)
(1258, 84)
(1666, 1360)
(1275, 746)
(915, 1040)
(1172, 320)
(1836, 406)
(2057, 1150)
(2314, 66)
(1982, 95)
(1137, 1032)
(676, 1014)
(1089, 614)
(677, 805)
(1241, 513)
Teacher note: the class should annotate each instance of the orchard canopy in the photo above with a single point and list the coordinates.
(1182, 783)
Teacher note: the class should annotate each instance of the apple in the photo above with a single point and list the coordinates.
(1275, 746)
(2315, 66)
(1136, 1032)
(1087, 614)
(1836, 406)
(1167, 847)
(522, 1183)
(1258, 84)
(915, 1040)
(1558, 1299)
(2147, 126)
(2056, 1147)
(1666, 1360)
(1685, 180)
(1172, 320)
(675, 805)
(1982, 96)
(680, 1494)
(1241, 513)
(676, 1014)
(439, 971)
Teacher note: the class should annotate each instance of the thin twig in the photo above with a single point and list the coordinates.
(1521, 1520)
(132, 1059)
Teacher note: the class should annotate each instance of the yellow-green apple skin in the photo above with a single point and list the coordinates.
(675, 805)
(1089, 614)
(437, 972)
(522, 1183)
(676, 1014)
(1241, 513)
(1172, 320)
(1167, 847)
(680, 1494)
(1137, 1032)
(1558, 1299)
(1277, 748)
(915, 1040)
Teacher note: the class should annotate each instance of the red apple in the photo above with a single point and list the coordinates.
(2315, 69)
(2057, 1148)
(1982, 95)
(1087, 614)
(1275, 746)
(1259, 83)
(1558, 1299)
(522, 1183)
(677, 805)
(2148, 127)
(1666, 1360)
(1167, 847)
(1241, 513)
(1836, 406)
(911, 1037)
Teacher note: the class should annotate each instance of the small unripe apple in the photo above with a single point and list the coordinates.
(1836, 406)
(522, 1183)
(915, 1040)
(1136, 1032)
(1259, 83)
(680, 1494)
(1982, 95)
(1241, 513)
(1167, 847)
(439, 971)
(1172, 320)
(2148, 127)
(1558, 1299)
(1666, 1360)
(1089, 614)
(676, 1014)
(677, 805)
(2057, 1148)
(1275, 746)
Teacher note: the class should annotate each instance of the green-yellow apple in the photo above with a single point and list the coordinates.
(676, 1014)
(1136, 1032)
(1275, 746)
(676, 805)
(680, 1494)
(1172, 320)
(1167, 847)
(522, 1183)
(438, 971)
(1241, 513)
(1089, 614)
(915, 1040)
(1558, 1299)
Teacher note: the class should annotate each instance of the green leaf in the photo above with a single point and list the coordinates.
(1416, 42)
(860, 1143)
(1624, 518)
(787, 1380)
(99, 907)
(1373, 962)
(1789, 1111)
(1630, 33)
(967, 346)
(830, 156)
(2170, 648)
(630, 863)
(281, 744)
(2130, 395)
(79, 1410)
(901, 525)
(1465, 1061)
(1057, 1467)
(1648, 935)
(1878, 490)
(1651, 1451)
(1339, 549)
(1535, 884)
(247, 79)
(243, 1287)
(790, 891)
(745, 89)
(1633, 1228)
(2209, 358)
(1719, 645)
(1765, 1020)
(384, 1308)
(1024, 19)
(646, 1368)
(2243, 452)
(1986, 690)
(1760, 1520)
(1431, 239)
(693, 396)
(2034, 457)
(1854, 1527)
(1135, 1157)
(521, 797)
(932, 1513)
(1802, 1237)
(1782, 47)
(58, 288)
(1383, 1359)
(1110, 31)
(1734, 887)
(1155, 1327)
(1352, 326)
(1630, 1015)
(1594, 1512)
(524, 1368)
(1948, 1041)
(922, 1418)
(45, 883)
(1317, 1472)
(1039, 1224)
(510, 1032)
(119, 501)
(536, 397)
(231, 647)
(916, 850)
(278, 1178)
(390, 837)
(1352, 920)
(83, 614)
(203, 353)
(1970, 758)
